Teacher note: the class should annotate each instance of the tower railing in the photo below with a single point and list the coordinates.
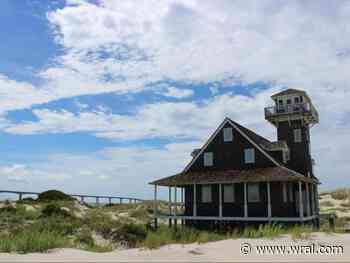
(290, 109)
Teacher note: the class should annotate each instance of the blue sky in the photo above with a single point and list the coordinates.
(105, 96)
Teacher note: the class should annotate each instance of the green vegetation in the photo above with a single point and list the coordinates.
(165, 235)
(32, 241)
(53, 195)
(326, 203)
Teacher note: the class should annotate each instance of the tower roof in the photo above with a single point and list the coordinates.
(288, 92)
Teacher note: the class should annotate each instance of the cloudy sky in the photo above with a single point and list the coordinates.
(104, 96)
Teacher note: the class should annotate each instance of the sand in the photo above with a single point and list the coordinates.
(226, 250)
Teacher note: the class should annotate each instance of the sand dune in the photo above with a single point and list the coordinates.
(227, 250)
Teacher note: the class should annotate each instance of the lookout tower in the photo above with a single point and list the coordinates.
(293, 114)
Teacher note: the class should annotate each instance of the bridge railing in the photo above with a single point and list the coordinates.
(119, 199)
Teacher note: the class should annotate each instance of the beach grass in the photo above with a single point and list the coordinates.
(33, 241)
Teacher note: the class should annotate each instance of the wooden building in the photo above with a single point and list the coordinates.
(239, 176)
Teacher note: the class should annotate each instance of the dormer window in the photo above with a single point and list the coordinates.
(286, 156)
(249, 155)
(208, 159)
(228, 135)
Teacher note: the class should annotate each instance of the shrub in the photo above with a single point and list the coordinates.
(54, 195)
(55, 210)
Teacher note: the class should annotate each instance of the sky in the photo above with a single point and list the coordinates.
(103, 96)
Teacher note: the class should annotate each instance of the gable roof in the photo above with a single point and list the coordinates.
(255, 139)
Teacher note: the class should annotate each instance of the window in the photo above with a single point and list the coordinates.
(228, 135)
(206, 194)
(296, 100)
(284, 186)
(301, 98)
(229, 193)
(286, 156)
(253, 192)
(297, 135)
(280, 102)
(208, 159)
(249, 155)
(289, 101)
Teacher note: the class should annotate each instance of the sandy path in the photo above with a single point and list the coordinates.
(227, 250)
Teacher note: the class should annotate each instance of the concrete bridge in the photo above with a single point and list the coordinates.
(98, 198)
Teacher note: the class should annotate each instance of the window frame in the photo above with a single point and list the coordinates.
(252, 160)
(232, 198)
(228, 131)
(206, 199)
(251, 186)
(208, 162)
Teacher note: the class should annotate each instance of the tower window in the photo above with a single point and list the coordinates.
(296, 100)
(297, 135)
(208, 159)
(206, 194)
(289, 101)
(249, 155)
(228, 135)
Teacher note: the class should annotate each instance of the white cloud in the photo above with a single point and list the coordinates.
(178, 93)
(158, 120)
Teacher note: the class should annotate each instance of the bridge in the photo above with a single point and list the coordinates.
(119, 199)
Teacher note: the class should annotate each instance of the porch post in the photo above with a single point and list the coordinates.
(301, 205)
(175, 208)
(169, 204)
(317, 200)
(194, 200)
(220, 200)
(245, 200)
(155, 207)
(307, 199)
(268, 201)
(312, 199)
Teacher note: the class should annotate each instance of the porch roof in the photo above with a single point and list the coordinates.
(234, 176)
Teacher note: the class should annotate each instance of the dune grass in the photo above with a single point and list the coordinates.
(164, 236)
(33, 241)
